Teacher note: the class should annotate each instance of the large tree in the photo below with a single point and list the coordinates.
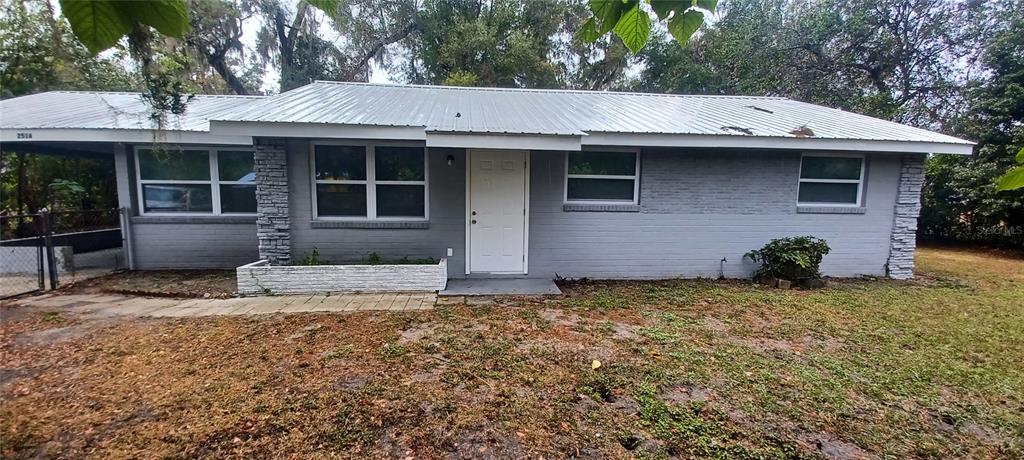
(471, 43)
(961, 201)
(896, 59)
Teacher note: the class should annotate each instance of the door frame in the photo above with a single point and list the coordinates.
(526, 213)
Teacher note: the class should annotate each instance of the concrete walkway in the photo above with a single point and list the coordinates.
(113, 304)
(500, 286)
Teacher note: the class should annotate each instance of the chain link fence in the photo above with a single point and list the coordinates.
(44, 250)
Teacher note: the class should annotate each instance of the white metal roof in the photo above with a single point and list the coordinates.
(108, 110)
(484, 117)
(568, 112)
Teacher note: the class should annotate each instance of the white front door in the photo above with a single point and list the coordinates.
(497, 211)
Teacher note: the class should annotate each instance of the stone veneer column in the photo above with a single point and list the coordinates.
(273, 223)
(904, 227)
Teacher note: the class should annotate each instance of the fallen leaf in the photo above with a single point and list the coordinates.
(596, 364)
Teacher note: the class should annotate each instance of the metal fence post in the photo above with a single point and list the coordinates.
(39, 262)
(51, 256)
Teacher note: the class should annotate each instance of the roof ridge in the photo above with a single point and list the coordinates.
(547, 90)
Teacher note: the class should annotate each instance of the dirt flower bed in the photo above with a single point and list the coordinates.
(163, 283)
(687, 369)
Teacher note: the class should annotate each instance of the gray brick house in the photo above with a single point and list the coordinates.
(509, 182)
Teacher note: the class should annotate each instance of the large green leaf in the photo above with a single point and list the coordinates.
(588, 33)
(683, 27)
(169, 17)
(634, 27)
(98, 24)
(1012, 180)
(608, 13)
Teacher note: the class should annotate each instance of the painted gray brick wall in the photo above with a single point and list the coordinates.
(446, 228)
(180, 244)
(273, 221)
(708, 182)
(697, 208)
(904, 227)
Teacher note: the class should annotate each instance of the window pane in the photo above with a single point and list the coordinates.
(174, 164)
(340, 162)
(815, 192)
(603, 163)
(400, 201)
(601, 189)
(237, 198)
(233, 165)
(399, 163)
(341, 200)
(830, 168)
(177, 198)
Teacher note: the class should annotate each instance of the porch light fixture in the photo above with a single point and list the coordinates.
(451, 160)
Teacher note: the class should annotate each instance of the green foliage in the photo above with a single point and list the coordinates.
(631, 22)
(794, 258)
(100, 24)
(38, 53)
(1014, 178)
(30, 182)
(502, 43)
(372, 259)
(66, 194)
(962, 201)
(313, 258)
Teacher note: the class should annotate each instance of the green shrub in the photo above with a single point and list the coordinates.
(313, 258)
(795, 258)
(373, 259)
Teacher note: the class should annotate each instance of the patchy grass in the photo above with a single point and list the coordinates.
(863, 368)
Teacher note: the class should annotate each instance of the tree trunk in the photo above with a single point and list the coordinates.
(219, 64)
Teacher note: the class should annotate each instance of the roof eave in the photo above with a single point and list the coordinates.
(781, 143)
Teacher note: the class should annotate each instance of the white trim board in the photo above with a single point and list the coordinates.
(782, 143)
(134, 136)
(503, 141)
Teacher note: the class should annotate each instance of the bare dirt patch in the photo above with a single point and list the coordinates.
(833, 448)
(163, 283)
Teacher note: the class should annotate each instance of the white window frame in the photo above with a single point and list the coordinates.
(370, 182)
(859, 181)
(214, 182)
(635, 178)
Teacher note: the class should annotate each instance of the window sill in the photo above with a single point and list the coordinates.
(371, 224)
(598, 207)
(831, 209)
(223, 219)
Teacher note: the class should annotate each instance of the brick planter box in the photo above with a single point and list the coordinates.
(261, 278)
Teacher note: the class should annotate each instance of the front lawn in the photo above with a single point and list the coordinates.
(932, 368)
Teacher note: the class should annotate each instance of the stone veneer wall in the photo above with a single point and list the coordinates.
(904, 227)
(273, 224)
(258, 278)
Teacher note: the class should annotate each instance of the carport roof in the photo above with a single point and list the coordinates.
(109, 110)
